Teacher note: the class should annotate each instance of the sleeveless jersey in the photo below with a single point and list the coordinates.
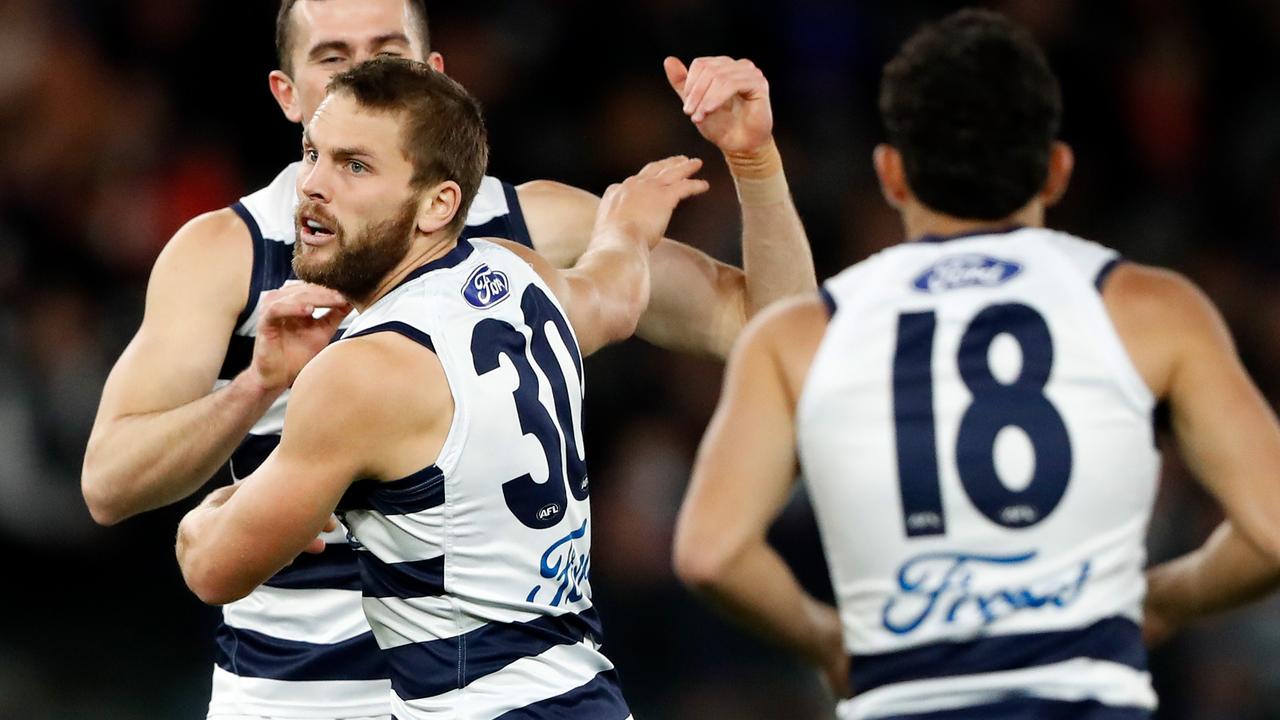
(980, 454)
(299, 646)
(475, 569)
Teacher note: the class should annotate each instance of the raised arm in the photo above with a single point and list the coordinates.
(699, 304)
(728, 101)
(607, 289)
(1225, 430)
(161, 432)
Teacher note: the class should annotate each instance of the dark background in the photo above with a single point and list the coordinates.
(120, 119)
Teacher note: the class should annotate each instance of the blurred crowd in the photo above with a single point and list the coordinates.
(121, 119)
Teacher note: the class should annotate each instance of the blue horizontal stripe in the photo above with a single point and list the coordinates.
(427, 669)
(252, 654)
(1025, 708)
(420, 578)
(335, 568)
(1116, 639)
(420, 491)
(250, 454)
(600, 699)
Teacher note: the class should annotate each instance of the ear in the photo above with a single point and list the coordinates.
(1062, 161)
(439, 206)
(283, 91)
(436, 61)
(893, 177)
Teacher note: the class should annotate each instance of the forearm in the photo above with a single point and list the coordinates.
(695, 304)
(617, 269)
(758, 590)
(205, 554)
(776, 257)
(137, 463)
(1228, 571)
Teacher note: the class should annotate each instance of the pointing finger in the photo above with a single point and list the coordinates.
(676, 74)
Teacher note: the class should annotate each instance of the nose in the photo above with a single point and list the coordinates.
(313, 182)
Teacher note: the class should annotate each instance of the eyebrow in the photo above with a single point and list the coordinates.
(341, 153)
(343, 46)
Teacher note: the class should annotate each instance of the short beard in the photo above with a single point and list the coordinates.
(359, 266)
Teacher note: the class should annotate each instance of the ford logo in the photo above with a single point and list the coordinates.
(486, 288)
(965, 271)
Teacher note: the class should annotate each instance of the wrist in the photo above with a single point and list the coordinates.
(758, 176)
(251, 385)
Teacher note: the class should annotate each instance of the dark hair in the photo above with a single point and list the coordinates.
(441, 126)
(284, 30)
(972, 105)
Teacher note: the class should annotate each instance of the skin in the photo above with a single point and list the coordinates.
(379, 406)
(160, 433)
(747, 463)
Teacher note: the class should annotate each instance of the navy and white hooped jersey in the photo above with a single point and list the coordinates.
(475, 569)
(979, 450)
(299, 646)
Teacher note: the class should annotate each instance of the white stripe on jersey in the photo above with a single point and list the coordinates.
(1074, 680)
(436, 618)
(260, 698)
(313, 616)
(523, 682)
(400, 538)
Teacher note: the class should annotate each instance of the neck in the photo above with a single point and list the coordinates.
(919, 221)
(421, 252)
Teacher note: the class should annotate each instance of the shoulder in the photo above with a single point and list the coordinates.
(1156, 295)
(550, 195)
(210, 256)
(786, 334)
(1164, 320)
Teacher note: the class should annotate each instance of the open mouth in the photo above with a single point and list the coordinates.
(314, 230)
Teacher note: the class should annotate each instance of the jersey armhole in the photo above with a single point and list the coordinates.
(515, 217)
(828, 300)
(400, 328)
(1104, 272)
(257, 274)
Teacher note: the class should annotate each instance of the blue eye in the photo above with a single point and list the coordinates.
(357, 167)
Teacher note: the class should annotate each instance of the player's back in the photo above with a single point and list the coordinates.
(979, 451)
(475, 569)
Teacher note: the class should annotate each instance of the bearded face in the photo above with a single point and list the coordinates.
(353, 264)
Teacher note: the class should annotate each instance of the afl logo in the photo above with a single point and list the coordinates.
(966, 271)
(486, 288)
(548, 510)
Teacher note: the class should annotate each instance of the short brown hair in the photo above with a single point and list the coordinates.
(284, 30)
(442, 128)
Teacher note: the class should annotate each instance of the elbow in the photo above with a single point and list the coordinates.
(208, 583)
(206, 574)
(104, 506)
(701, 566)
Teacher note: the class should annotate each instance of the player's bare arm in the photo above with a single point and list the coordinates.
(160, 432)
(699, 304)
(1226, 572)
(608, 287)
(743, 475)
(1224, 428)
(347, 420)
